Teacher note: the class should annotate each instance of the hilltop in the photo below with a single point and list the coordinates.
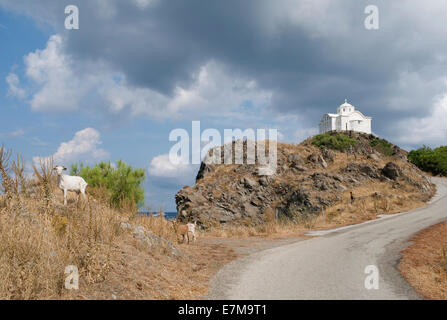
(314, 180)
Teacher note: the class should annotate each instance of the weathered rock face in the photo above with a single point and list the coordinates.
(391, 170)
(148, 239)
(307, 179)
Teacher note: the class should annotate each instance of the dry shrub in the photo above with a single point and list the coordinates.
(159, 225)
(39, 237)
(443, 260)
(59, 224)
(385, 205)
(7, 183)
(231, 231)
(36, 248)
(18, 167)
(31, 265)
(89, 237)
(3, 201)
(100, 194)
(44, 174)
(269, 228)
(308, 219)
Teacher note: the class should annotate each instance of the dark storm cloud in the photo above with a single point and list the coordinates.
(310, 54)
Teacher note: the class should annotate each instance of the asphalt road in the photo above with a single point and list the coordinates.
(332, 265)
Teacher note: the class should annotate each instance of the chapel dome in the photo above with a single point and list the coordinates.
(346, 104)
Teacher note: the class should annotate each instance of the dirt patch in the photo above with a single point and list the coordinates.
(424, 263)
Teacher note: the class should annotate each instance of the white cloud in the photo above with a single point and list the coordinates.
(83, 147)
(404, 98)
(214, 90)
(431, 129)
(17, 133)
(319, 18)
(59, 88)
(281, 137)
(14, 89)
(14, 134)
(304, 133)
(172, 173)
(143, 4)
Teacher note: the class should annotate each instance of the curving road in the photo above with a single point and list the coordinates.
(332, 265)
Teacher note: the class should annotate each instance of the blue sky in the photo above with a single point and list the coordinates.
(137, 69)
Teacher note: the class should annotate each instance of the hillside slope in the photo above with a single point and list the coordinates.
(313, 178)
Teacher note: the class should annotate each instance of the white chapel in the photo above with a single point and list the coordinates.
(347, 118)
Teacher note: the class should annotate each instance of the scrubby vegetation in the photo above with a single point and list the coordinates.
(382, 146)
(121, 184)
(338, 141)
(40, 238)
(430, 160)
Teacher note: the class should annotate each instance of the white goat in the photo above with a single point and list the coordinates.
(192, 230)
(69, 183)
(185, 231)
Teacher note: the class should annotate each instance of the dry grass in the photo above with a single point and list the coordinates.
(39, 238)
(424, 263)
(271, 228)
(36, 247)
(370, 200)
(157, 224)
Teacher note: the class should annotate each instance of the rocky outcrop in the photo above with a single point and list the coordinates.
(150, 240)
(307, 180)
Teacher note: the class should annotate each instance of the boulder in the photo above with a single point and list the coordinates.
(364, 169)
(295, 159)
(328, 154)
(149, 239)
(322, 161)
(391, 170)
(249, 183)
(301, 168)
(313, 157)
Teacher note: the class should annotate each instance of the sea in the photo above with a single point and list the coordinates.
(167, 215)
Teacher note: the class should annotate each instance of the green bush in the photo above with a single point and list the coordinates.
(122, 183)
(382, 146)
(337, 141)
(430, 160)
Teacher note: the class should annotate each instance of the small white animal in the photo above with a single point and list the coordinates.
(185, 231)
(70, 183)
(192, 231)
